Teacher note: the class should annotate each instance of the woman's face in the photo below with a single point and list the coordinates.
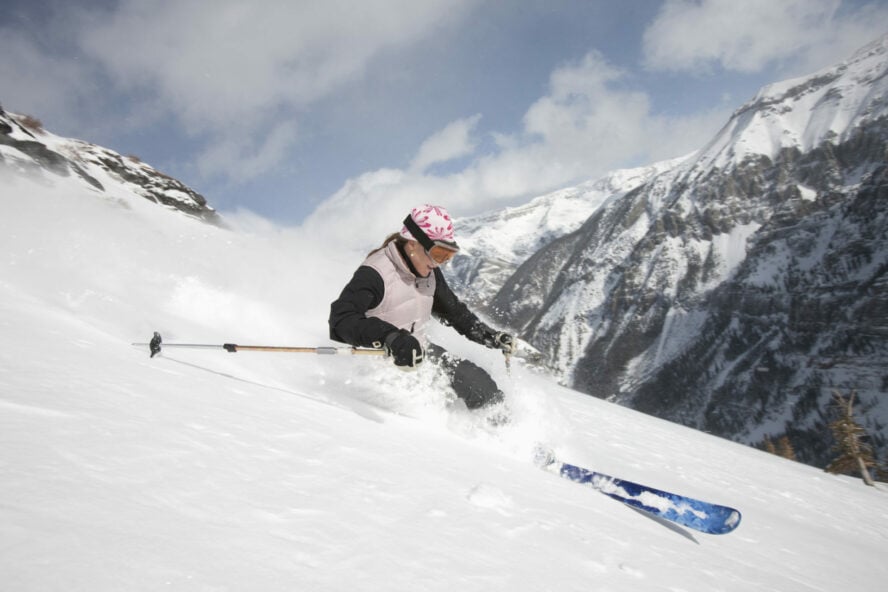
(422, 263)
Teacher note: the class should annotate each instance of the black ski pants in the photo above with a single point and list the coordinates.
(470, 382)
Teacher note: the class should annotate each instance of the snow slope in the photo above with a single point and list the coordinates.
(204, 470)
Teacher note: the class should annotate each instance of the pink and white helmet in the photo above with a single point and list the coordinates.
(434, 221)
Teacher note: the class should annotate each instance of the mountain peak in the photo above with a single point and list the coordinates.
(801, 113)
(28, 149)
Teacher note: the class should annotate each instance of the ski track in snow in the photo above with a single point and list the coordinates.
(204, 470)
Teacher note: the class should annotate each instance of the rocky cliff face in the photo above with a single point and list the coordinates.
(735, 291)
(26, 148)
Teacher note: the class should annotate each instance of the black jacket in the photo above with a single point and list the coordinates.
(348, 314)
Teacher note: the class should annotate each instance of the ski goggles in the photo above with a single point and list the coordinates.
(440, 251)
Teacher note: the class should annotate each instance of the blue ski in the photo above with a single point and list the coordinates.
(686, 511)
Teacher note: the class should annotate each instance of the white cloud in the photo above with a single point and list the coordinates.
(845, 35)
(243, 157)
(32, 79)
(748, 36)
(225, 70)
(454, 141)
(216, 63)
(586, 125)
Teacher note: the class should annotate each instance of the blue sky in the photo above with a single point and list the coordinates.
(349, 109)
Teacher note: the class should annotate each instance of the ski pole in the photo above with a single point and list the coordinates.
(156, 344)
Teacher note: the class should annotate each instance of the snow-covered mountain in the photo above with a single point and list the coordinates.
(497, 243)
(26, 147)
(205, 470)
(736, 290)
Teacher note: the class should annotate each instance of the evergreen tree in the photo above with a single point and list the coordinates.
(855, 455)
(785, 449)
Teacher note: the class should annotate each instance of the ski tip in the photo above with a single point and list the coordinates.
(725, 524)
(732, 521)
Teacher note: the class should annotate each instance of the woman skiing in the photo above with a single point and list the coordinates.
(396, 291)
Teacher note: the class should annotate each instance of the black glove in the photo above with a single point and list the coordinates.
(505, 342)
(501, 341)
(404, 348)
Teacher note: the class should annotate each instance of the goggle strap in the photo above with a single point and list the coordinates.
(418, 234)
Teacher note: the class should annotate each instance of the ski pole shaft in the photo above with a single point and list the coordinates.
(233, 347)
(156, 345)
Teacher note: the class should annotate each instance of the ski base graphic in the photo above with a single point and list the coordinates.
(686, 511)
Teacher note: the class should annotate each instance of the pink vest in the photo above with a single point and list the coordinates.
(407, 302)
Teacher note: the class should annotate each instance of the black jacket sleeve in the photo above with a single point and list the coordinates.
(348, 319)
(451, 311)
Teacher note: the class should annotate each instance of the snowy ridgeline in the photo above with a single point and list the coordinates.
(204, 470)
